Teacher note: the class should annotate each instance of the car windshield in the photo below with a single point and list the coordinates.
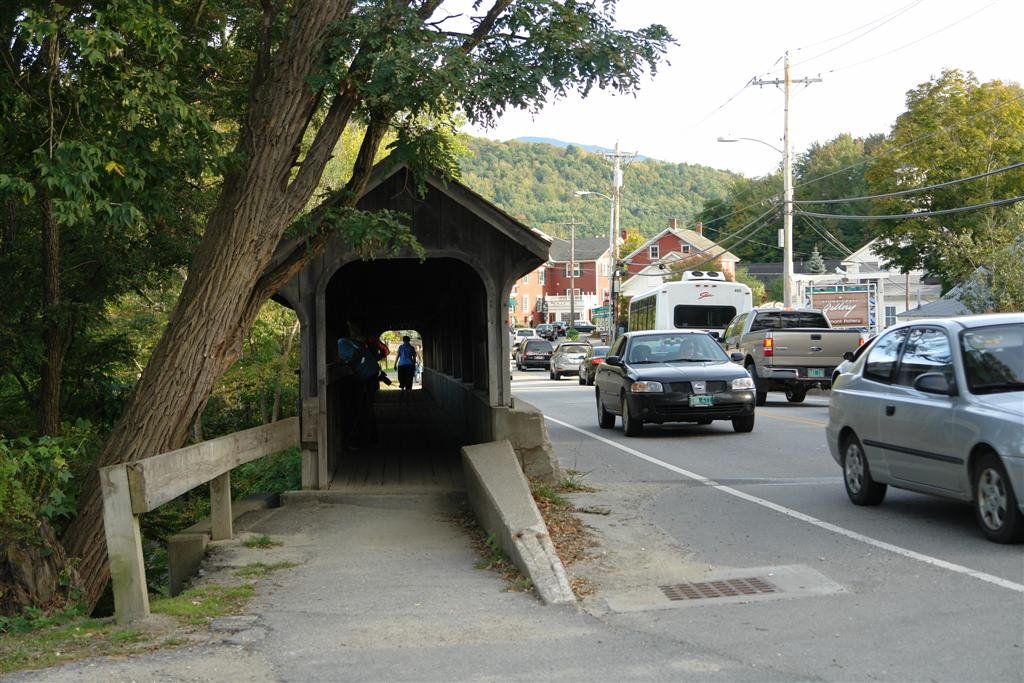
(600, 351)
(538, 346)
(994, 358)
(524, 333)
(675, 348)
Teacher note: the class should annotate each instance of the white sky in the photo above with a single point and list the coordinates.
(723, 43)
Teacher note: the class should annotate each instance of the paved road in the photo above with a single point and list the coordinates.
(908, 590)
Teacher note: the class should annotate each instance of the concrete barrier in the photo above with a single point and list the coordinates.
(187, 548)
(474, 421)
(500, 496)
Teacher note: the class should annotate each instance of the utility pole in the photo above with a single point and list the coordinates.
(787, 182)
(613, 238)
(572, 274)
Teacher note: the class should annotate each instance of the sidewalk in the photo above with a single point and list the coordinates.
(385, 588)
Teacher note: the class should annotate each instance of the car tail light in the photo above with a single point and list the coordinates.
(769, 345)
(860, 342)
(596, 361)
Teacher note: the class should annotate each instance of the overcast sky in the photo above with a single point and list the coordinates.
(868, 53)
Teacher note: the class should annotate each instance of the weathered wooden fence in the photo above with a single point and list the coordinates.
(134, 488)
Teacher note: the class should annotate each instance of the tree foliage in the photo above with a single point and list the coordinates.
(313, 69)
(537, 182)
(954, 127)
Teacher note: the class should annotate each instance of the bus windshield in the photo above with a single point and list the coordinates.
(703, 317)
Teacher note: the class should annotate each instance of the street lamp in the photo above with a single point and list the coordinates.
(787, 215)
(613, 231)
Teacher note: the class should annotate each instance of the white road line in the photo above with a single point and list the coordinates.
(920, 557)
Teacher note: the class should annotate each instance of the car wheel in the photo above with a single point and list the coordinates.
(631, 426)
(590, 381)
(760, 396)
(995, 504)
(796, 395)
(556, 375)
(605, 420)
(860, 487)
(743, 424)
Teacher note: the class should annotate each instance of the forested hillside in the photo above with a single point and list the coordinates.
(537, 183)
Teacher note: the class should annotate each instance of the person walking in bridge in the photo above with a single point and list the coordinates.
(405, 363)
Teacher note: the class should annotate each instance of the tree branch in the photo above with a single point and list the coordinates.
(486, 25)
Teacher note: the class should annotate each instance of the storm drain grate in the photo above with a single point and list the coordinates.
(718, 589)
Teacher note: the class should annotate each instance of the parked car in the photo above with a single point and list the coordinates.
(561, 327)
(546, 331)
(533, 353)
(788, 350)
(588, 366)
(584, 326)
(566, 358)
(937, 406)
(518, 337)
(679, 376)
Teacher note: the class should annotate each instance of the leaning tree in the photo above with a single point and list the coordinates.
(398, 67)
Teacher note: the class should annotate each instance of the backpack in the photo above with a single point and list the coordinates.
(356, 360)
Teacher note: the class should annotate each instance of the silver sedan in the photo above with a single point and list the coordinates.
(937, 406)
(566, 358)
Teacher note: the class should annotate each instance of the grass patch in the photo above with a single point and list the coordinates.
(256, 569)
(573, 482)
(262, 541)
(58, 644)
(200, 605)
(547, 494)
(492, 557)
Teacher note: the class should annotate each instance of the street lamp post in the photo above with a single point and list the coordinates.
(613, 243)
(787, 212)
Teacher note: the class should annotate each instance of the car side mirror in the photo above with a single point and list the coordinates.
(848, 355)
(715, 335)
(614, 361)
(935, 383)
(736, 357)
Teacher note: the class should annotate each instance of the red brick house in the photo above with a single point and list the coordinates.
(552, 283)
(674, 244)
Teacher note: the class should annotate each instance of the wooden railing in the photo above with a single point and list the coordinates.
(134, 488)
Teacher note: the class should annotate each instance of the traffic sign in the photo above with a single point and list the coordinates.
(599, 310)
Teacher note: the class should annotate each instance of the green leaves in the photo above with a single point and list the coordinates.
(954, 127)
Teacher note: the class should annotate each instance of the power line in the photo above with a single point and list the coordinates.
(886, 17)
(921, 214)
(957, 181)
(892, 16)
(914, 42)
(910, 143)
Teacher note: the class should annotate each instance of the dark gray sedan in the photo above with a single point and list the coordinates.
(677, 376)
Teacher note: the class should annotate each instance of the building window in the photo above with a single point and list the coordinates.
(574, 293)
(526, 303)
(686, 248)
(575, 270)
(540, 276)
(526, 279)
(653, 251)
(890, 316)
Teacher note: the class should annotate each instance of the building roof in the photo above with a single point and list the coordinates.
(766, 272)
(690, 237)
(942, 308)
(587, 249)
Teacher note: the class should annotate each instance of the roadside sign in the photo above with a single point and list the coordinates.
(599, 311)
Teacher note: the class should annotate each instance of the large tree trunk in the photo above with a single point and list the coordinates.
(220, 300)
(53, 346)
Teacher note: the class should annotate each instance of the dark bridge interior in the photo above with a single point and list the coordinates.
(443, 298)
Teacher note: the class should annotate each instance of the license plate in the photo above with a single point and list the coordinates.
(815, 372)
(702, 401)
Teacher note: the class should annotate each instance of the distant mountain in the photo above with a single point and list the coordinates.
(536, 182)
(562, 144)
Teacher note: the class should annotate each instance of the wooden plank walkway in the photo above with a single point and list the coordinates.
(414, 453)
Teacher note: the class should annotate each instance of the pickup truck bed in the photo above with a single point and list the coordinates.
(784, 358)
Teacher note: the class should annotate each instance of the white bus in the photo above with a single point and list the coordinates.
(702, 300)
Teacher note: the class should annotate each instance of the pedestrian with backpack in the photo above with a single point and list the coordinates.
(405, 363)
